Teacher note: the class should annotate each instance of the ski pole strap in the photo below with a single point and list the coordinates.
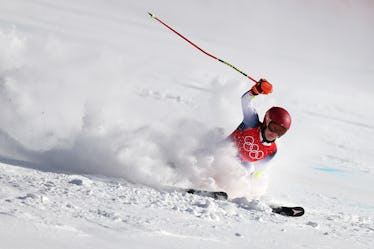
(193, 44)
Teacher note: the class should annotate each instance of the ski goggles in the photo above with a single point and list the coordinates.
(276, 128)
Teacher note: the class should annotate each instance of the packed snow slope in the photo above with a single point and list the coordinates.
(104, 111)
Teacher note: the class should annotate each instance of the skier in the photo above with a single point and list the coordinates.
(254, 140)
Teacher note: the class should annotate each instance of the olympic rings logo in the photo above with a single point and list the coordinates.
(253, 149)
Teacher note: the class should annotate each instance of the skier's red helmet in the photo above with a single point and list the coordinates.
(279, 116)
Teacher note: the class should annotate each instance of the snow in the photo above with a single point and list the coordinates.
(105, 114)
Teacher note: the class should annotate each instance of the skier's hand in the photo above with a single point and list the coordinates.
(261, 87)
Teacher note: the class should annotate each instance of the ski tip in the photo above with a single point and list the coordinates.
(289, 211)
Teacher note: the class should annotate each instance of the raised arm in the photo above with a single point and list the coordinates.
(250, 116)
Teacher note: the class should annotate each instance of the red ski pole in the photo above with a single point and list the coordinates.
(193, 44)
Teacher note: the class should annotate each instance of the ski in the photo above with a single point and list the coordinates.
(289, 211)
(218, 195)
(221, 195)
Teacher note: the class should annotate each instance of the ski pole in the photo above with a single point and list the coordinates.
(193, 44)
